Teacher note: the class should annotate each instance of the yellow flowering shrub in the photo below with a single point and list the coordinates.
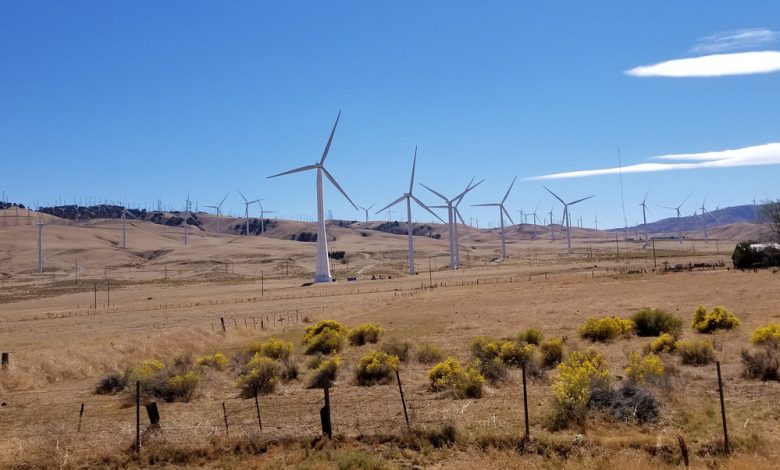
(664, 343)
(216, 360)
(606, 328)
(325, 373)
(261, 374)
(326, 337)
(767, 336)
(552, 352)
(181, 387)
(718, 318)
(148, 370)
(365, 333)
(578, 375)
(450, 376)
(276, 349)
(376, 367)
(640, 367)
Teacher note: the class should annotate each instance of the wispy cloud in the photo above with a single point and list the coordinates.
(716, 65)
(767, 154)
(734, 40)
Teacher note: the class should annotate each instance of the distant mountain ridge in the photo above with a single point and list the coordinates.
(747, 213)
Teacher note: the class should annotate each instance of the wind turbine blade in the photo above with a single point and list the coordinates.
(463, 194)
(333, 180)
(242, 194)
(580, 200)
(369, 207)
(303, 168)
(685, 200)
(507, 191)
(256, 200)
(556, 196)
(414, 165)
(492, 204)
(645, 199)
(434, 192)
(537, 207)
(422, 204)
(457, 213)
(223, 200)
(506, 212)
(439, 207)
(391, 204)
(330, 139)
(670, 208)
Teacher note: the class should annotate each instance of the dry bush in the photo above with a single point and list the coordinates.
(653, 322)
(719, 318)
(628, 403)
(365, 333)
(530, 336)
(642, 367)
(606, 328)
(216, 361)
(449, 376)
(376, 367)
(429, 353)
(552, 352)
(763, 363)
(276, 349)
(696, 353)
(578, 375)
(111, 384)
(396, 347)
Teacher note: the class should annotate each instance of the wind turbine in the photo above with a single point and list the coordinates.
(246, 209)
(218, 208)
(535, 217)
(187, 216)
(322, 272)
(409, 227)
(566, 215)
(704, 219)
(262, 217)
(366, 209)
(644, 217)
(459, 216)
(40, 242)
(124, 226)
(679, 222)
(452, 214)
(552, 227)
(501, 211)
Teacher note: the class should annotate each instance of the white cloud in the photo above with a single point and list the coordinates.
(738, 63)
(733, 40)
(767, 154)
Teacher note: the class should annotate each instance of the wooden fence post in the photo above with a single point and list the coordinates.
(138, 416)
(403, 401)
(325, 414)
(722, 410)
(525, 404)
(81, 413)
(224, 413)
(257, 409)
(154, 415)
(222, 320)
(5, 360)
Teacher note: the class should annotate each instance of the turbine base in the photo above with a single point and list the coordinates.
(322, 278)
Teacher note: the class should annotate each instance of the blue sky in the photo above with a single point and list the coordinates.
(144, 100)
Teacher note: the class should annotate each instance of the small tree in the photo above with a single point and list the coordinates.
(770, 215)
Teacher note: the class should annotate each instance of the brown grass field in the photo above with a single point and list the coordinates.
(166, 301)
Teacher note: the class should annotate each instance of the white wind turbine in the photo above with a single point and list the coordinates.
(186, 217)
(452, 215)
(644, 217)
(566, 215)
(552, 228)
(262, 217)
(679, 222)
(40, 241)
(247, 203)
(124, 225)
(366, 209)
(535, 217)
(322, 272)
(218, 208)
(704, 219)
(409, 227)
(501, 211)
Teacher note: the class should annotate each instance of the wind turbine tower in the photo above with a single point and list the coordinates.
(679, 221)
(247, 203)
(501, 211)
(644, 217)
(552, 228)
(452, 213)
(366, 209)
(322, 272)
(566, 215)
(409, 227)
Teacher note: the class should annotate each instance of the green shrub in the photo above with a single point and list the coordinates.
(578, 375)
(767, 336)
(376, 367)
(396, 347)
(217, 361)
(761, 364)
(289, 370)
(325, 373)
(261, 374)
(429, 353)
(653, 322)
(664, 343)
(552, 352)
(326, 337)
(698, 352)
(530, 336)
(606, 328)
(449, 376)
(485, 349)
(181, 387)
(276, 349)
(718, 318)
(365, 333)
(640, 367)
